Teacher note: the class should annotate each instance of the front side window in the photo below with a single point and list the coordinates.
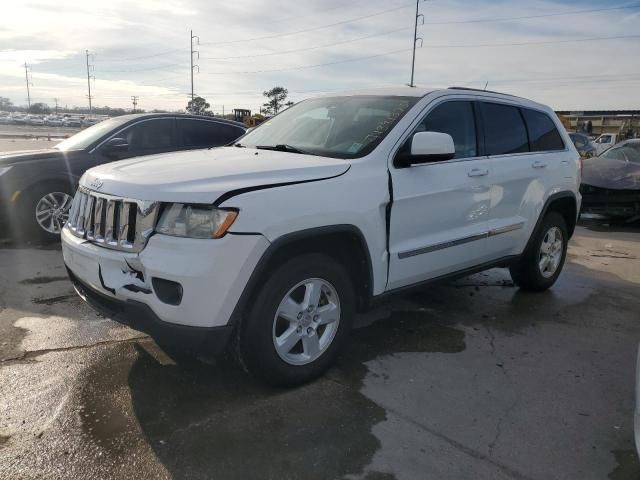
(150, 136)
(456, 119)
(543, 134)
(505, 132)
(604, 139)
(339, 127)
(204, 133)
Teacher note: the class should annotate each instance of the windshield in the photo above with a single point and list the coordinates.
(339, 127)
(629, 152)
(88, 136)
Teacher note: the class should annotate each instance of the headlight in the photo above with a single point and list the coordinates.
(195, 221)
(4, 170)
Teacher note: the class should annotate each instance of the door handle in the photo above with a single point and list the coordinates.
(538, 164)
(478, 172)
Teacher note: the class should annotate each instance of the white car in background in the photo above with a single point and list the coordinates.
(605, 141)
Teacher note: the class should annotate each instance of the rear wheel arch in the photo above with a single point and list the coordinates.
(566, 205)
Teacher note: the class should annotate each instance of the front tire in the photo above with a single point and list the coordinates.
(298, 322)
(43, 212)
(541, 263)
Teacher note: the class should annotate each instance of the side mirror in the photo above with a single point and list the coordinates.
(430, 147)
(115, 146)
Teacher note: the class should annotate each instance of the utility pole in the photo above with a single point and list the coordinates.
(26, 76)
(415, 41)
(89, 81)
(192, 65)
(56, 100)
(134, 100)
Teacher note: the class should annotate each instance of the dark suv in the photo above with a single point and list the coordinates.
(36, 187)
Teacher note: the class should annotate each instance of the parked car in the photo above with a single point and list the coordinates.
(274, 244)
(611, 182)
(53, 121)
(605, 141)
(35, 120)
(583, 144)
(636, 416)
(72, 122)
(36, 187)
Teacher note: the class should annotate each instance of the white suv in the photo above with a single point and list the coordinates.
(273, 244)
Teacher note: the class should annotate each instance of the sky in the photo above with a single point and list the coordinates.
(567, 54)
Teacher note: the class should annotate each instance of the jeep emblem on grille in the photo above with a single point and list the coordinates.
(96, 183)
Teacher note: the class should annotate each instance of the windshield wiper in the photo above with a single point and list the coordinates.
(282, 147)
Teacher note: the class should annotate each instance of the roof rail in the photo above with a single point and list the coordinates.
(482, 90)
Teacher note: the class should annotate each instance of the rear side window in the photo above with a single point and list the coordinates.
(456, 119)
(203, 133)
(504, 129)
(543, 134)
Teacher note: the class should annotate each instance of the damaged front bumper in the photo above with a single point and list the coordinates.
(209, 277)
(610, 202)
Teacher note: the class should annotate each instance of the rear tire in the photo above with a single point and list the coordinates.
(541, 263)
(298, 322)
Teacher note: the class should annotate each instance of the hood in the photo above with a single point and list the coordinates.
(202, 176)
(610, 173)
(11, 158)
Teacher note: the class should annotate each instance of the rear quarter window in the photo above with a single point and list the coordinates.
(543, 134)
(204, 133)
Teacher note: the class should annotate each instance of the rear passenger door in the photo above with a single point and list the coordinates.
(197, 133)
(519, 143)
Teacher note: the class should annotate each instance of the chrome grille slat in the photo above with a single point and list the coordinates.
(88, 220)
(112, 222)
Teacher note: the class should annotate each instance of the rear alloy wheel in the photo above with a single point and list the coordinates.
(298, 320)
(541, 263)
(52, 211)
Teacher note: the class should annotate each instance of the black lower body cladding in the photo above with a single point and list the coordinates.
(139, 316)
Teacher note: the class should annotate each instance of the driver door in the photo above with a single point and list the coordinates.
(439, 215)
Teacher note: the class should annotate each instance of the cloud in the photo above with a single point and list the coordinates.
(142, 48)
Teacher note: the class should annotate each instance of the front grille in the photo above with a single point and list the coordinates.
(112, 222)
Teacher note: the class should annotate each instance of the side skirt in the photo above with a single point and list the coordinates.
(499, 263)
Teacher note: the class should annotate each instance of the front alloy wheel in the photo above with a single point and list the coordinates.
(306, 321)
(298, 320)
(52, 211)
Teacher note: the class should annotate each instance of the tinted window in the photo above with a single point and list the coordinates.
(543, 134)
(150, 136)
(504, 129)
(456, 119)
(578, 141)
(203, 133)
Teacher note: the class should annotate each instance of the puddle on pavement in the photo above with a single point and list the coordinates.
(199, 418)
(628, 467)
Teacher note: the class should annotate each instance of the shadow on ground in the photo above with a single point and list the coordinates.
(201, 419)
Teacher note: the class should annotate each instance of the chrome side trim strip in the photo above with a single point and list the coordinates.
(460, 241)
(440, 246)
(508, 228)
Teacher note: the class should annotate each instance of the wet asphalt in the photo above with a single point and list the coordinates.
(468, 380)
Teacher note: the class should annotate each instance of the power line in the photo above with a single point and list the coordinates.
(305, 49)
(355, 59)
(312, 29)
(529, 17)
